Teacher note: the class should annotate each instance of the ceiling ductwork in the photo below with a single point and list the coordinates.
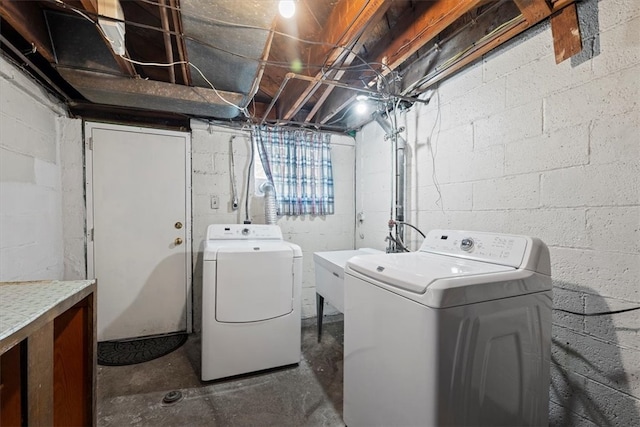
(219, 51)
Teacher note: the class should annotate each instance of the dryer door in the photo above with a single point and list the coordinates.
(254, 282)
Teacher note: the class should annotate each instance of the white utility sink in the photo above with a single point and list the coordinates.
(329, 267)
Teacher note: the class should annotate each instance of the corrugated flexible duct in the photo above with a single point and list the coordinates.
(270, 207)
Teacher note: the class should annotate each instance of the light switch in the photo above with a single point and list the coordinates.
(215, 202)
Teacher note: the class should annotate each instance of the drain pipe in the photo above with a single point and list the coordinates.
(401, 173)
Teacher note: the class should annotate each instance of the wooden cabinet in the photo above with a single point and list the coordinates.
(47, 353)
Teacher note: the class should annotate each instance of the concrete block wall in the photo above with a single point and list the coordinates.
(73, 198)
(31, 231)
(518, 144)
(211, 176)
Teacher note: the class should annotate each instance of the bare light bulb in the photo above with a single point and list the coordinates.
(287, 8)
(362, 107)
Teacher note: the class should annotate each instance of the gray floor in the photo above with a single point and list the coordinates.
(309, 394)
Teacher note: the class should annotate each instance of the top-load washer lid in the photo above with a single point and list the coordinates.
(415, 271)
(455, 267)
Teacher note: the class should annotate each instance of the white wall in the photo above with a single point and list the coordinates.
(73, 198)
(31, 245)
(525, 146)
(211, 176)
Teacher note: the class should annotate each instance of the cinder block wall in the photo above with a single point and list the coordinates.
(211, 176)
(522, 145)
(31, 230)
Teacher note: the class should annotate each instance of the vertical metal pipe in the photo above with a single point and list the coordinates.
(400, 170)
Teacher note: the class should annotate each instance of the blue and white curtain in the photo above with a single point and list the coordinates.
(298, 163)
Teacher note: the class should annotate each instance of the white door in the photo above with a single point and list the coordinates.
(138, 204)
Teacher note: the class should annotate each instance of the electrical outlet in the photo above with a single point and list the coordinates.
(215, 201)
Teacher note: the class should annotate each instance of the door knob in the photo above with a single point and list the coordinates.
(178, 225)
(178, 241)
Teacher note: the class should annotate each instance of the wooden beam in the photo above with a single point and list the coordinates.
(182, 49)
(533, 11)
(433, 20)
(40, 376)
(565, 29)
(339, 74)
(394, 49)
(398, 46)
(27, 19)
(341, 99)
(90, 5)
(348, 20)
(164, 19)
(257, 111)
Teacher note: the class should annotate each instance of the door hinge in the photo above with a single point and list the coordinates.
(91, 235)
(90, 141)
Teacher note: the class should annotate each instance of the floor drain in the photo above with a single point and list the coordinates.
(172, 397)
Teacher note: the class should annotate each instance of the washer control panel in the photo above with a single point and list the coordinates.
(505, 249)
(243, 232)
(466, 244)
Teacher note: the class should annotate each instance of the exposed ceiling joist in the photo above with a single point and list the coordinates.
(394, 50)
(90, 5)
(26, 18)
(436, 18)
(303, 71)
(347, 22)
(533, 11)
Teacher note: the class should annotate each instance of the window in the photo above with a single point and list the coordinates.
(298, 163)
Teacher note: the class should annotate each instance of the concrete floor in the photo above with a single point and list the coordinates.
(309, 394)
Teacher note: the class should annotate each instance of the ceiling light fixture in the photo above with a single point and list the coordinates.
(287, 8)
(362, 107)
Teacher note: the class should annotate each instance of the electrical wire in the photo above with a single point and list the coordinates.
(246, 199)
(433, 151)
(602, 313)
(365, 63)
(171, 64)
(412, 226)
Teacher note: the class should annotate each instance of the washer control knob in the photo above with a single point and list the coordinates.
(245, 231)
(466, 244)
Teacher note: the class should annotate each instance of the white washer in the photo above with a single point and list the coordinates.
(250, 300)
(458, 333)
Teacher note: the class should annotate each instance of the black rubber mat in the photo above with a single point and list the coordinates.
(130, 352)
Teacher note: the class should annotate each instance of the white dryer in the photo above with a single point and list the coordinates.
(458, 333)
(251, 288)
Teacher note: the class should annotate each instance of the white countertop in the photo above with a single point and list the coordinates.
(21, 303)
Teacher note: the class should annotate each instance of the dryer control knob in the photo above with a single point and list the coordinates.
(245, 231)
(466, 244)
